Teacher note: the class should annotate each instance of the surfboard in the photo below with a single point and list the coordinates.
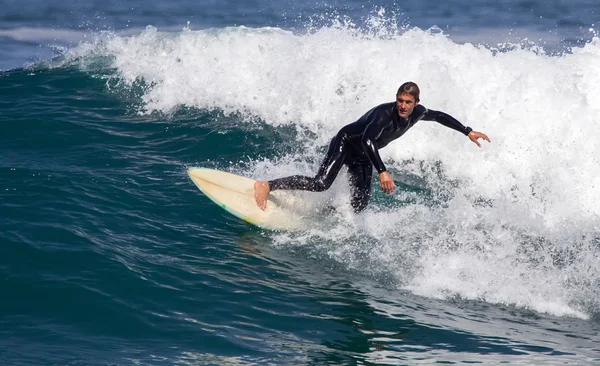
(235, 194)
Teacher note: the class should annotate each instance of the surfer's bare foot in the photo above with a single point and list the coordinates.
(261, 191)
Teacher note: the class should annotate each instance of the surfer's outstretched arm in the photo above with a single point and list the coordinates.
(451, 122)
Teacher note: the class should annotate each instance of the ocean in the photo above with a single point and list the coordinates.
(109, 255)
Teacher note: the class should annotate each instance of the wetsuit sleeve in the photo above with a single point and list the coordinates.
(447, 120)
(371, 134)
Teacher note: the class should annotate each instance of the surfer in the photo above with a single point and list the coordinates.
(356, 145)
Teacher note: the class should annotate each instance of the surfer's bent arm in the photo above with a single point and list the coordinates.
(446, 120)
(369, 137)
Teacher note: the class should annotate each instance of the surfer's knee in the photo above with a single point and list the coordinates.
(321, 184)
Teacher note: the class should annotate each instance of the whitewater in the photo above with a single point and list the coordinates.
(516, 222)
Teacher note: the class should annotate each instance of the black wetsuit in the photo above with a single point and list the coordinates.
(356, 145)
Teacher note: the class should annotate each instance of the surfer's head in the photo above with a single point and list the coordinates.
(407, 98)
(409, 88)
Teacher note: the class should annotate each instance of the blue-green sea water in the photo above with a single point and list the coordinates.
(109, 255)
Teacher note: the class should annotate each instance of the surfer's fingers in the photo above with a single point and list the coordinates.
(387, 187)
(483, 136)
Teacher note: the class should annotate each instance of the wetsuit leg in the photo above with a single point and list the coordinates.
(328, 171)
(360, 185)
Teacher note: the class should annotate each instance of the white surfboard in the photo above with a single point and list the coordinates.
(235, 194)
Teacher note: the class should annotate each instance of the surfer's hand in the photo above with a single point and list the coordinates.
(387, 183)
(474, 136)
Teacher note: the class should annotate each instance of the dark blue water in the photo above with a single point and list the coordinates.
(109, 255)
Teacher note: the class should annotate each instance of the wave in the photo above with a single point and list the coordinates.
(515, 222)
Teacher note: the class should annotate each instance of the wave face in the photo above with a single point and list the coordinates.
(514, 222)
(100, 211)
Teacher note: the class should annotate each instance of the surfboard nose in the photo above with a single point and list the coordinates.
(196, 173)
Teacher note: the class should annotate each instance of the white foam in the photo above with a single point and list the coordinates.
(532, 240)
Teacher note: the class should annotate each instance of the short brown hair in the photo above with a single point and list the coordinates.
(409, 88)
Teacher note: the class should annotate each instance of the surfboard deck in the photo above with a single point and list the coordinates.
(235, 194)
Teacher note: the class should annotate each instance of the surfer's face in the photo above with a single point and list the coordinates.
(405, 104)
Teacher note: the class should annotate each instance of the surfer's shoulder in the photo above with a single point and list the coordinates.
(421, 110)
